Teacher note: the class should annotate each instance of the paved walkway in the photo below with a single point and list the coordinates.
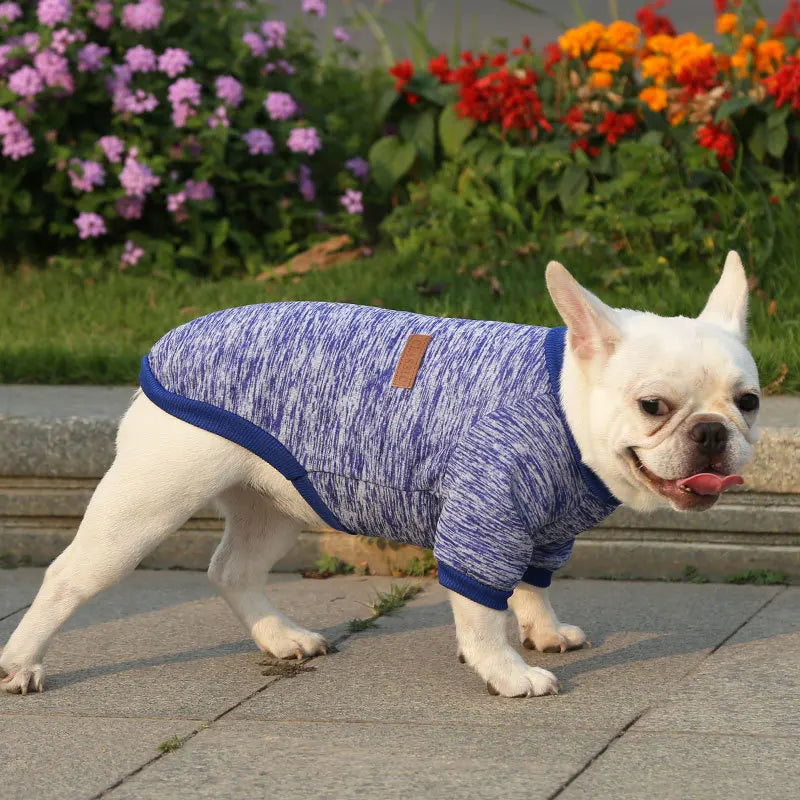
(691, 691)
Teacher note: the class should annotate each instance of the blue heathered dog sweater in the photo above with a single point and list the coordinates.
(475, 460)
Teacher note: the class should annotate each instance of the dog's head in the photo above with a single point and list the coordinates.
(663, 408)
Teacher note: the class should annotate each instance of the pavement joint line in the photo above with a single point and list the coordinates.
(205, 726)
(619, 734)
(7, 616)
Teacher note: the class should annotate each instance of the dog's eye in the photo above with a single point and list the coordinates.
(748, 402)
(654, 407)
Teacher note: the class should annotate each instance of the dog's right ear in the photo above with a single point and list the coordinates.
(590, 322)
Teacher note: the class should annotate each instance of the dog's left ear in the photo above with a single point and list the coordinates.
(727, 304)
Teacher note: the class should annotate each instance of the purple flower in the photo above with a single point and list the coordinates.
(314, 7)
(90, 58)
(173, 61)
(54, 69)
(201, 190)
(137, 179)
(137, 102)
(17, 142)
(129, 207)
(89, 225)
(286, 67)
(275, 33)
(10, 11)
(30, 41)
(91, 174)
(25, 82)
(130, 255)
(359, 167)
(102, 15)
(305, 184)
(229, 90)
(219, 117)
(113, 147)
(256, 44)
(340, 34)
(304, 140)
(184, 90)
(352, 201)
(51, 12)
(280, 105)
(140, 59)
(63, 38)
(142, 16)
(259, 142)
(175, 202)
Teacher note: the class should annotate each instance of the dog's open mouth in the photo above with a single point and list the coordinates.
(694, 492)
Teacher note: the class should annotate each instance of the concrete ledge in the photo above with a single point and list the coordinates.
(55, 443)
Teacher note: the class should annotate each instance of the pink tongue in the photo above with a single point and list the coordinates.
(709, 483)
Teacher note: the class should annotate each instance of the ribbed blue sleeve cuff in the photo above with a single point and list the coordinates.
(475, 590)
(538, 576)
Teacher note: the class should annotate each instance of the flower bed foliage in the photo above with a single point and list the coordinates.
(644, 147)
(200, 135)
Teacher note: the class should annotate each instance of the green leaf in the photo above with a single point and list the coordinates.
(390, 159)
(453, 130)
(572, 186)
(758, 141)
(777, 139)
(220, 234)
(420, 129)
(384, 106)
(428, 86)
(653, 120)
(732, 106)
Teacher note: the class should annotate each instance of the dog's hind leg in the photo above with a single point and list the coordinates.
(164, 471)
(257, 534)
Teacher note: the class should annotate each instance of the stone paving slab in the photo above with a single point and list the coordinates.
(751, 685)
(179, 651)
(338, 760)
(647, 637)
(63, 758)
(676, 766)
(17, 589)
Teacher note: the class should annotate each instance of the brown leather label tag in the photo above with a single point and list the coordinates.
(410, 360)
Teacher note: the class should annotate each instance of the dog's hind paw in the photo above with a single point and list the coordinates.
(24, 680)
(563, 638)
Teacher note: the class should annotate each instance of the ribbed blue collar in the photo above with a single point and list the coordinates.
(554, 344)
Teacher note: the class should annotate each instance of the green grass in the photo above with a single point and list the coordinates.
(170, 745)
(759, 577)
(60, 328)
(385, 603)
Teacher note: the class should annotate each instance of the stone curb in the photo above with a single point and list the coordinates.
(55, 442)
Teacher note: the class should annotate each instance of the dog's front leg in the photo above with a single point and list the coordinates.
(483, 644)
(539, 628)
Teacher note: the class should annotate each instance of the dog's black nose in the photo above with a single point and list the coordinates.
(710, 437)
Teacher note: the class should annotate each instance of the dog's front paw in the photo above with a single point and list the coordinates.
(510, 676)
(290, 641)
(554, 640)
(23, 680)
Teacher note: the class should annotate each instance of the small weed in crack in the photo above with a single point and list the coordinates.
(171, 744)
(385, 603)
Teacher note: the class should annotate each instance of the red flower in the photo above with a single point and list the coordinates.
(573, 118)
(697, 78)
(784, 85)
(402, 71)
(552, 55)
(653, 24)
(584, 145)
(714, 137)
(720, 6)
(526, 47)
(788, 23)
(411, 98)
(614, 126)
(499, 60)
(440, 67)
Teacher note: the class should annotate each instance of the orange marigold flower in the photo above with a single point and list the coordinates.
(661, 43)
(759, 27)
(748, 42)
(723, 61)
(726, 23)
(655, 98)
(677, 118)
(601, 80)
(739, 62)
(768, 52)
(604, 61)
(657, 68)
(577, 41)
(621, 36)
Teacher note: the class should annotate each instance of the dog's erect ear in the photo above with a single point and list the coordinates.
(727, 304)
(592, 328)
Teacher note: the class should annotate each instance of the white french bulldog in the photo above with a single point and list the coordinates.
(663, 410)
